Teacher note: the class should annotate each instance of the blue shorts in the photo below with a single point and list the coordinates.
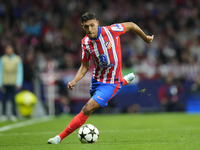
(103, 92)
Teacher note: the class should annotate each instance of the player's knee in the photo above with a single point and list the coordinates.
(86, 110)
(89, 107)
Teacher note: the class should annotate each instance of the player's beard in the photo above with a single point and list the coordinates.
(91, 35)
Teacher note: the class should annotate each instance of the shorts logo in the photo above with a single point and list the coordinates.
(108, 45)
(99, 98)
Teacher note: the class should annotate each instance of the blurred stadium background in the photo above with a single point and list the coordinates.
(46, 34)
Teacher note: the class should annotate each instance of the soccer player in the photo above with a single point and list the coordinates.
(102, 45)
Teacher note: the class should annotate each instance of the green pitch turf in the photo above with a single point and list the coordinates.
(117, 132)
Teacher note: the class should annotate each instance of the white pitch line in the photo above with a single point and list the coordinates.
(27, 133)
(25, 123)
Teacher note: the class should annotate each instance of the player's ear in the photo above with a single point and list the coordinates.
(98, 22)
(82, 25)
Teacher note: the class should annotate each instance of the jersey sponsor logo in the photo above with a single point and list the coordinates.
(99, 98)
(108, 45)
(103, 61)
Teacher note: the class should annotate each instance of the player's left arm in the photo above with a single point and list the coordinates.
(136, 29)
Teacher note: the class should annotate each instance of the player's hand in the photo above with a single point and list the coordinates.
(71, 85)
(149, 38)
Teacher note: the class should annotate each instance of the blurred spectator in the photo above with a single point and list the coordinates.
(169, 94)
(195, 87)
(68, 62)
(62, 103)
(32, 27)
(29, 68)
(11, 78)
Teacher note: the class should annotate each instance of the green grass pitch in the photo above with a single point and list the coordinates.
(171, 131)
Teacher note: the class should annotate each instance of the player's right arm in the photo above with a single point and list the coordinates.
(80, 74)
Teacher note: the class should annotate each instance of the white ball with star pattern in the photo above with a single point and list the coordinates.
(88, 133)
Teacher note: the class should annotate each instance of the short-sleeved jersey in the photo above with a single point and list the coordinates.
(105, 51)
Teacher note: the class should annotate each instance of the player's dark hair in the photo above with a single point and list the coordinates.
(88, 16)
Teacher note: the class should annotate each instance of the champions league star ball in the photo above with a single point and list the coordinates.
(88, 134)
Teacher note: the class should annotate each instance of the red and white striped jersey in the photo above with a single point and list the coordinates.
(105, 51)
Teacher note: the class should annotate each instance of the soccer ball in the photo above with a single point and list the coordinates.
(88, 134)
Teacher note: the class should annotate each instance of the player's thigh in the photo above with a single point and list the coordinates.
(105, 92)
(89, 107)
